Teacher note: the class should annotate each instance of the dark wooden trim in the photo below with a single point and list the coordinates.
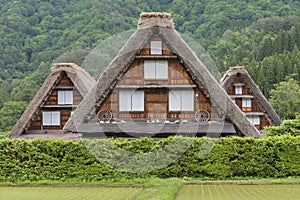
(156, 57)
(155, 86)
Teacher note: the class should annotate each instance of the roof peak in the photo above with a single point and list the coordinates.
(236, 68)
(155, 19)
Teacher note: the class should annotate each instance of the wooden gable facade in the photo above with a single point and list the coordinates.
(55, 102)
(58, 106)
(164, 92)
(156, 85)
(244, 92)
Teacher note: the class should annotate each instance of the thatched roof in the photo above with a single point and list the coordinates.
(227, 80)
(162, 24)
(82, 82)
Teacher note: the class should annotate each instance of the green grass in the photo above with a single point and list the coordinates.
(52, 193)
(154, 188)
(140, 189)
(236, 192)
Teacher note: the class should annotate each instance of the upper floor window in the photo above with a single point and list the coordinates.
(238, 89)
(246, 104)
(156, 69)
(156, 47)
(51, 118)
(181, 100)
(254, 119)
(65, 97)
(131, 100)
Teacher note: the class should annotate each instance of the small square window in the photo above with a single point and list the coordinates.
(156, 69)
(51, 118)
(246, 104)
(131, 100)
(65, 97)
(156, 47)
(181, 100)
(255, 120)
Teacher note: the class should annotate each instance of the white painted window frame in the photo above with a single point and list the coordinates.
(65, 97)
(51, 118)
(246, 102)
(156, 69)
(181, 100)
(156, 47)
(254, 119)
(131, 100)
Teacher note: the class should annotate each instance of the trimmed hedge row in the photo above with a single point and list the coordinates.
(94, 160)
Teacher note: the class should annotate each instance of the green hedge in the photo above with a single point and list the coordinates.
(86, 160)
(288, 127)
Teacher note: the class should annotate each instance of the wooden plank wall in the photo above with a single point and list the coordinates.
(255, 105)
(156, 100)
(65, 113)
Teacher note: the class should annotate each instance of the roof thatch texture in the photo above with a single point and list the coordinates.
(230, 75)
(82, 82)
(149, 24)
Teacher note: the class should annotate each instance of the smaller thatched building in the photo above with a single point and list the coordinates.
(245, 93)
(54, 103)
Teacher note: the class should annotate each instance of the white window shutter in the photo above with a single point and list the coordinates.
(137, 100)
(256, 120)
(187, 100)
(125, 100)
(238, 89)
(56, 118)
(149, 69)
(156, 47)
(161, 69)
(47, 118)
(68, 97)
(174, 100)
(246, 102)
(61, 97)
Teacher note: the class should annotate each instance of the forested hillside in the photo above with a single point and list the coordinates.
(263, 35)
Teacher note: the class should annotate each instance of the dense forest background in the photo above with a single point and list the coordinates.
(263, 35)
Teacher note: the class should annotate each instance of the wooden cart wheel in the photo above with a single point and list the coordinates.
(105, 115)
(202, 116)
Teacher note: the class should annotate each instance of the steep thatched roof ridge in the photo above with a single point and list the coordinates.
(193, 65)
(229, 76)
(81, 80)
(162, 20)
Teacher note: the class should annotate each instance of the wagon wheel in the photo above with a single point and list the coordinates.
(202, 116)
(105, 115)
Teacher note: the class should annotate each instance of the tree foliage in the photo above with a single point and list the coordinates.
(262, 35)
(10, 113)
(285, 98)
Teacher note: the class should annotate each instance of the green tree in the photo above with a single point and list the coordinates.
(10, 113)
(285, 98)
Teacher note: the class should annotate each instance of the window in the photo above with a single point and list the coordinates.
(51, 118)
(238, 89)
(181, 100)
(255, 120)
(65, 97)
(131, 100)
(246, 104)
(156, 47)
(156, 69)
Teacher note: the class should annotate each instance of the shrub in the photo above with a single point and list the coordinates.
(112, 159)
